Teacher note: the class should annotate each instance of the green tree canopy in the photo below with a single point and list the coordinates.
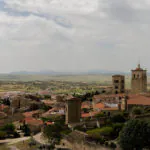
(137, 111)
(135, 135)
(118, 118)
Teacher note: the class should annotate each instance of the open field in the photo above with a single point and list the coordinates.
(27, 82)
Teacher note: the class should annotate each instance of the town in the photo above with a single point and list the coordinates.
(96, 118)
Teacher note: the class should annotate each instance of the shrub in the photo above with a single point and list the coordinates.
(125, 114)
(137, 111)
(106, 131)
(26, 130)
(96, 133)
(118, 118)
(100, 115)
(106, 143)
(113, 145)
(3, 134)
(8, 128)
(16, 134)
(86, 110)
(117, 127)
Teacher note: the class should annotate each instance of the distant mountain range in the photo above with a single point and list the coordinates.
(50, 72)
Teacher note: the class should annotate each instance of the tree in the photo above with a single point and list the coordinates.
(135, 135)
(9, 128)
(118, 118)
(53, 132)
(3, 134)
(137, 111)
(26, 130)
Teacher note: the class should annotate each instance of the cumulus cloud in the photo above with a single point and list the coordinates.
(73, 35)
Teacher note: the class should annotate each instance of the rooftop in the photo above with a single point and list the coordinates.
(138, 100)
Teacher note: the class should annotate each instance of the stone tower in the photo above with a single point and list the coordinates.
(73, 110)
(139, 80)
(118, 84)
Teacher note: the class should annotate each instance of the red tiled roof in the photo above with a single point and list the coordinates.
(99, 105)
(85, 115)
(48, 102)
(108, 96)
(31, 113)
(138, 100)
(49, 123)
(85, 106)
(33, 121)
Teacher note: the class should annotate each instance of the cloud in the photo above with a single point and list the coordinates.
(46, 6)
(74, 35)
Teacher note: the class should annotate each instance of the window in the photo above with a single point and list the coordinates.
(116, 87)
(116, 81)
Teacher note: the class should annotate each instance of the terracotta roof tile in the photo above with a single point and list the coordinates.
(99, 105)
(138, 100)
(33, 121)
(85, 115)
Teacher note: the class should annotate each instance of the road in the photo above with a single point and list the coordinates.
(13, 141)
(13, 148)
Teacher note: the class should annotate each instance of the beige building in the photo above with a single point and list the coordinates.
(118, 84)
(139, 80)
(73, 110)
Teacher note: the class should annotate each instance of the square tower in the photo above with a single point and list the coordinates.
(139, 80)
(73, 110)
(118, 84)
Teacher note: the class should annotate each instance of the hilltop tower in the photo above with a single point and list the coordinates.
(139, 80)
(118, 84)
(73, 110)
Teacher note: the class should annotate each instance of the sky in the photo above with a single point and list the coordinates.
(74, 35)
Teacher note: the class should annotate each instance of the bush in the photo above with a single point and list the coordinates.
(137, 111)
(86, 110)
(96, 133)
(47, 96)
(16, 134)
(8, 128)
(117, 127)
(125, 114)
(3, 134)
(100, 115)
(113, 145)
(118, 118)
(26, 130)
(106, 143)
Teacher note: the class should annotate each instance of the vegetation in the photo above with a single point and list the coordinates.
(137, 110)
(26, 130)
(118, 118)
(54, 132)
(101, 114)
(8, 130)
(135, 135)
(100, 132)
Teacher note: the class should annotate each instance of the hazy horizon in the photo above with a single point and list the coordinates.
(74, 35)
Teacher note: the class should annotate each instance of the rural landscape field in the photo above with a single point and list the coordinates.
(25, 82)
